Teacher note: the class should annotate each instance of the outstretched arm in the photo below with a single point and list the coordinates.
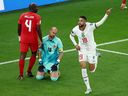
(104, 18)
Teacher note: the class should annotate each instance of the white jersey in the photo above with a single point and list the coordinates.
(86, 37)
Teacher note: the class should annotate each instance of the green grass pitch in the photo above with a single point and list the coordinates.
(110, 78)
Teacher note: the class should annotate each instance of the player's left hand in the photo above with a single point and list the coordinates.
(108, 11)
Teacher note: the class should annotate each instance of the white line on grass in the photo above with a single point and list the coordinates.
(113, 42)
(70, 50)
(115, 52)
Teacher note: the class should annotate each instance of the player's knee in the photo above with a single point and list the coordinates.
(23, 55)
(92, 68)
(83, 65)
(34, 53)
(39, 77)
(54, 78)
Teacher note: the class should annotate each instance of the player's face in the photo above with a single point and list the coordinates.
(81, 22)
(36, 10)
(53, 32)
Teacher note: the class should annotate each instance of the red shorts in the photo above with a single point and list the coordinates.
(25, 46)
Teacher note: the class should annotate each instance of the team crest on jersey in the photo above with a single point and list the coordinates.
(83, 35)
(54, 46)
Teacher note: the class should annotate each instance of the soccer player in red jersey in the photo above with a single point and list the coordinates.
(29, 33)
(123, 5)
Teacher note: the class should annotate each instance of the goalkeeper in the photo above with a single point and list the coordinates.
(50, 55)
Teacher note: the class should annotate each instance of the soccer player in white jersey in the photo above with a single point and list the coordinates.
(86, 46)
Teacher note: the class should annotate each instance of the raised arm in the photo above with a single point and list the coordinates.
(104, 18)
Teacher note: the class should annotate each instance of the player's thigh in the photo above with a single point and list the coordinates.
(92, 60)
(82, 59)
(33, 47)
(24, 47)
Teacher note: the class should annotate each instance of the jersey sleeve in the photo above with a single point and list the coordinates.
(60, 45)
(73, 32)
(93, 25)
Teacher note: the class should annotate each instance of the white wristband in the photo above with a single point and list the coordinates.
(40, 60)
(19, 38)
(58, 60)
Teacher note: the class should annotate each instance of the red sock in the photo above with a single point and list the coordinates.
(31, 63)
(21, 66)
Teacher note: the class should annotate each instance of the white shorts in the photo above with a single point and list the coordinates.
(88, 56)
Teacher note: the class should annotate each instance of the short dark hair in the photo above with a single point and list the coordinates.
(32, 7)
(83, 17)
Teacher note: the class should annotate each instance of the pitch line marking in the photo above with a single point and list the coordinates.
(70, 50)
(115, 52)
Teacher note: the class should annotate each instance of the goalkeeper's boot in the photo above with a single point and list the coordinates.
(88, 91)
(29, 74)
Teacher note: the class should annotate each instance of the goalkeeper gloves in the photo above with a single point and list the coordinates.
(40, 61)
(57, 62)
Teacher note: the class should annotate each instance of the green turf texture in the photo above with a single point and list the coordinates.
(110, 79)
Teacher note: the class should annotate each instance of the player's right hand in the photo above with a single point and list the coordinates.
(108, 11)
(77, 47)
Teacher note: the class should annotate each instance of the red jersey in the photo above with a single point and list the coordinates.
(29, 22)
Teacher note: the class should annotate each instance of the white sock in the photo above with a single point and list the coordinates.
(85, 78)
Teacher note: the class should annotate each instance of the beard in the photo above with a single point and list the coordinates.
(81, 25)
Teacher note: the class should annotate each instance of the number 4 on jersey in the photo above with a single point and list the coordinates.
(28, 24)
